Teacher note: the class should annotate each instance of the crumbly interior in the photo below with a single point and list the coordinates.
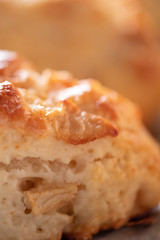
(75, 157)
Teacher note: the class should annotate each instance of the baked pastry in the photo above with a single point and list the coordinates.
(112, 41)
(75, 156)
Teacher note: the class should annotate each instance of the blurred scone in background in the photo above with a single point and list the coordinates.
(115, 41)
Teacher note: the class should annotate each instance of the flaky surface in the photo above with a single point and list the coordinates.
(75, 157)
(112, 41)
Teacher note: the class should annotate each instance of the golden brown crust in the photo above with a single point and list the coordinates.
(79, 112)
(10, 101)
(15, 112)
(70, 123)
(77, 127)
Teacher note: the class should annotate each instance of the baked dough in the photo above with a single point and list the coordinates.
(112, 41)
(75, 157)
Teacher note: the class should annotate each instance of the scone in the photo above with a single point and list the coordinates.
(112, 41)
(75, 157)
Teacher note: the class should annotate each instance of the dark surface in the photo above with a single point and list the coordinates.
(151, 232)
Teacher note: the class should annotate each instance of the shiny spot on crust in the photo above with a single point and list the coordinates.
(10, 100)
(74, 91)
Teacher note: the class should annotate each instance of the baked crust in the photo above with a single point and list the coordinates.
(74, 119)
